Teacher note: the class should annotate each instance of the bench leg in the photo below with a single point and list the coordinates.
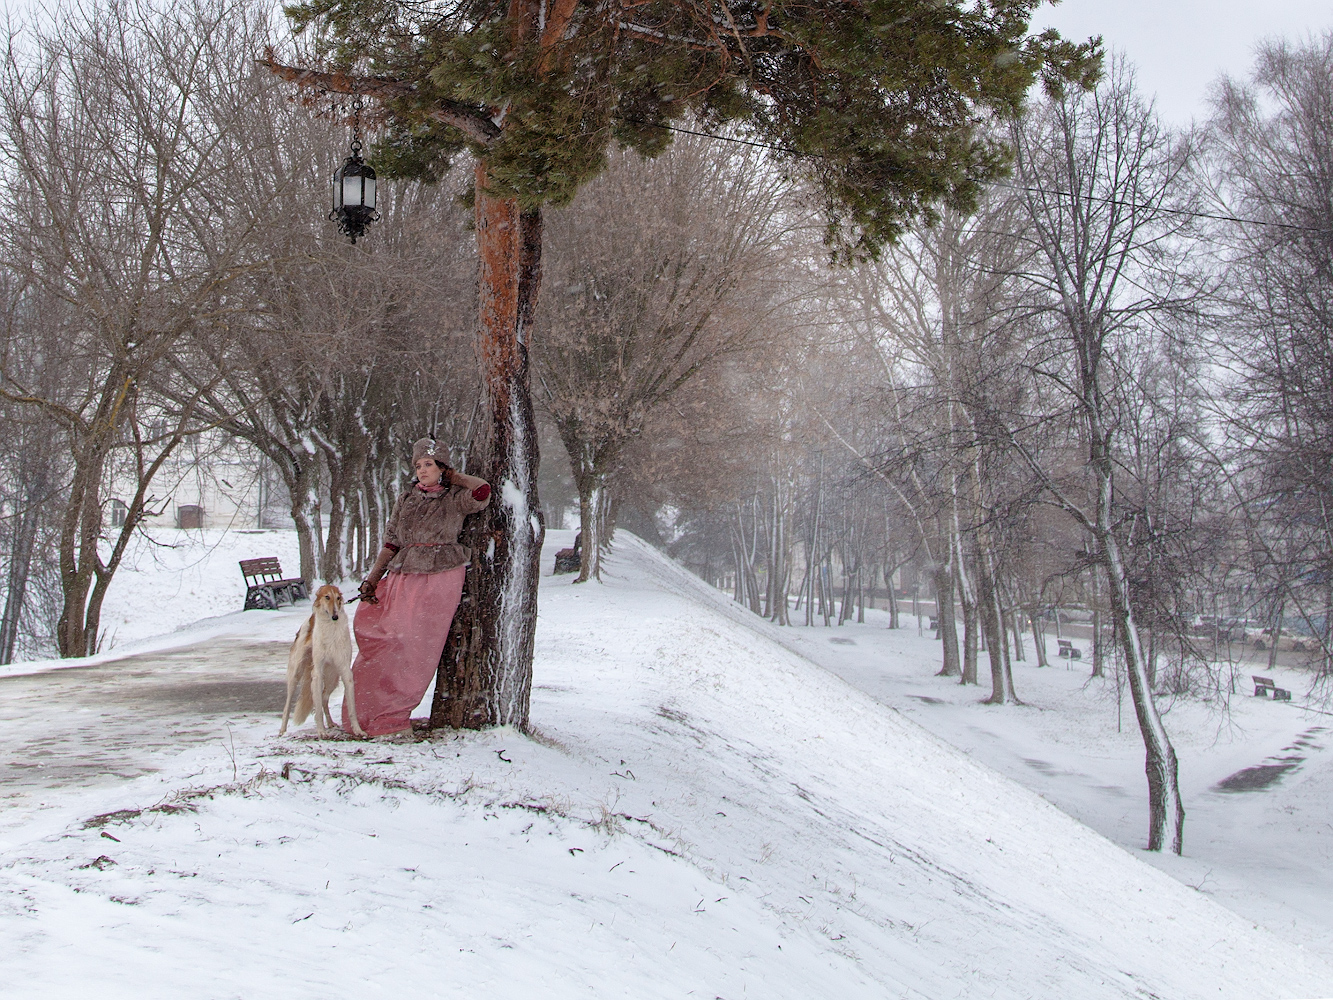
(260, 598)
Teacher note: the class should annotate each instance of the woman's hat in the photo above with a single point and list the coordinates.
(427, 447)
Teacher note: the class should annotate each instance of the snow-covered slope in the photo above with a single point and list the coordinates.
(699, 812)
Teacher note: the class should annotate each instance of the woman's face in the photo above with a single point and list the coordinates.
(428, 473)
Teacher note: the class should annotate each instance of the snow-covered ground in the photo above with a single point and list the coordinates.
(1256, 774)
(699, 811)
(177, 586)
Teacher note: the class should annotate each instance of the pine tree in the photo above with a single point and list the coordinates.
(883, 105)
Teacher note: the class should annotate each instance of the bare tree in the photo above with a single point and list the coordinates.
(118, 129)
(1101, 178)
(657, 270)
(32, 469)
(937, 312)
(1272, 163)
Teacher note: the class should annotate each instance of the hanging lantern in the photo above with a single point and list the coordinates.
(354, 186)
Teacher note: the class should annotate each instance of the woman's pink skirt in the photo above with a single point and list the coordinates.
(399, 642)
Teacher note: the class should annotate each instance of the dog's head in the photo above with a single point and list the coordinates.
(329, 600)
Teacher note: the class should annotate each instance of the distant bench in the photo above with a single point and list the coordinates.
(265, 586)
(570, 560)
(1262, 685)
(1068, 650)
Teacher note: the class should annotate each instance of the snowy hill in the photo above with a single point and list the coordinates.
(700, 811)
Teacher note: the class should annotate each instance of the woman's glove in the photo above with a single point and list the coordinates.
(367, 591)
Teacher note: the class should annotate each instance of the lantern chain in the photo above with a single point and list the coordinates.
(356, 121)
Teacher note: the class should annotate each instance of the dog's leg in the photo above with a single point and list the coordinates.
(320, 699)
(349, 696)
(287, 708)
(328, 692)
(293, 678)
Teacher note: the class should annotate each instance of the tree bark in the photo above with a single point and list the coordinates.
(1038, 637)
(992, 621)
(970, 623)
(944, 614)
(485, 676)
(1164, 803)
(18, 569)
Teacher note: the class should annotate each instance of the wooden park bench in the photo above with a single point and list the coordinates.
(265, 586)
(1068, 650)
(570, 560)
(1262, 685)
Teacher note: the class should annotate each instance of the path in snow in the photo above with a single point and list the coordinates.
(85, 726)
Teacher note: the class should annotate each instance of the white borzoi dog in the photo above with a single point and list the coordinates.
(321, 656)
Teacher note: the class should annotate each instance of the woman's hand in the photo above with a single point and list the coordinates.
(478, 487)
(367, 591)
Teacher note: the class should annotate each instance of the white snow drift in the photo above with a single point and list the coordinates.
(699, 812)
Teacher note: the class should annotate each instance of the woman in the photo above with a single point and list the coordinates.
(402, 624)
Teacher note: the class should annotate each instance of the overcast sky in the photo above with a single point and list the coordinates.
(1180, 46)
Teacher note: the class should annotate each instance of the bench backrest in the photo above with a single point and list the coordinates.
(1263, 682)
(267, 568)
(1064, 643)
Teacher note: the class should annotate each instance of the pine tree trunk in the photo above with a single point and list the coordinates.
(485, 676)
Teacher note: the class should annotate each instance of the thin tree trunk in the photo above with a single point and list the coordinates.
(971, 624)
(1098, 646)
(944, 615)
(1164, 802)
(1277, 633)
(1038, 637)
(1151, 663)
(993, 623)
(19, 567)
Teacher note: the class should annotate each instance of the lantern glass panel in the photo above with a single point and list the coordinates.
(352, 190)
(370, 191)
